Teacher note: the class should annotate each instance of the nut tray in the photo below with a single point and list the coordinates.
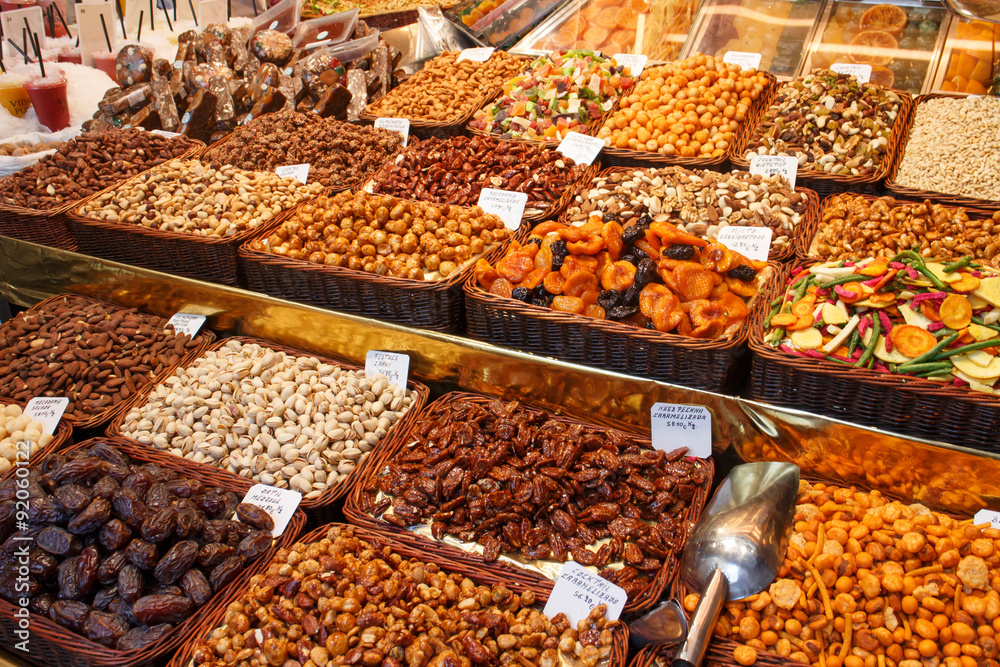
(63, 435)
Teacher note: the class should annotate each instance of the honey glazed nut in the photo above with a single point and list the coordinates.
(345, 600)
(386, 235)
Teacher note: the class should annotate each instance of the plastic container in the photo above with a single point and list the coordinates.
(48, 96)
(70, 55)
(283, 17)
(352, 50)
(7, 5)
(499, 23)
(106, 62)
(326, 30)
(967, 61)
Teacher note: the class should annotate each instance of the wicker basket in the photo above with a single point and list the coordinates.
(391, 20)
(719, 654)
(425, 304)
(625, 157)
(357, 503)
(776, 254)
(898, 190)
(321, 509)
(827, 184)
(183, 658)
(442, 129)
(104, 416)
(895, 403)
(63, 435)
(51, 644)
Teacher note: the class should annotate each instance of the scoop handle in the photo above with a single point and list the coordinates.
(706, 614)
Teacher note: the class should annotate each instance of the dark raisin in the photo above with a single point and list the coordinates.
(559, 253)
(520, 293)
(534, 239)
(632, 233)
(645, 272)
(622, 312)
(610, 217)
(678, 251)
(609, 298)
(742, 272)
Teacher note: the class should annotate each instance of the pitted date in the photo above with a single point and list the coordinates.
(41, 603)
(196, 587)
(138, 638)
(215, 531)
(69, 587)
(255, 516)
(90, 519)
(225, 572)
(159, 526)
(109, 568)
(86, 569)
(104, 598)
(189, 523)
(73, 497)
(106, 488)
(162, 609)
(78, 471)
(130, 508)
(104, 628)
(237, 533)
(115, 534)
(176, 562)
(142, 554)
(211, 555)
(130, 583)
(185, 488)
(41, 565)
(158, 497)
(69, 613)
(255, 545)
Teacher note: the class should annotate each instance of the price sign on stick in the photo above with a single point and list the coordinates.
(212, 11)
(751, 242)
(477, 55)
(506, 205)
(401, 125)
(783, 165)
(636, 62)
(394, 366)
(578, 590)
(300, 172)
(187, 323)
(279, 503)
(675, 425)
(742, 59)
(12, 22)
(47, 410)
(863, 73)
(580, 148)
(88, 20)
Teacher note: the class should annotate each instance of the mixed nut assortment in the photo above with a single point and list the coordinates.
(830, 122)
(95, 354)
(557, 494)
(192, 197)
(386, 235)
(272, 417)
(337, 153)
(21, 437)
(345, 599)
(121, 552)
(700, 202)
(88, 164)
(855, 227)
(873, 581)
(436, 170)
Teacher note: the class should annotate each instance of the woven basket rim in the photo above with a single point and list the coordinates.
(62, 435)
(481, 97)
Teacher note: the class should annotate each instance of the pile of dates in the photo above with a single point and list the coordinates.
(516, 481)
(121, 552)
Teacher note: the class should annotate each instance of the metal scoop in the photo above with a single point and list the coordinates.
(735, 551)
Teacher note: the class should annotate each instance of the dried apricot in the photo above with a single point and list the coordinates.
(588, 245)
(568, 304)
(533, 279)
(573, 233)
(595, 311)
(515, 266)
(718, 257)
(590, 296)
(485, 274)
(652, 294)
(543, 258)
(719, 289)
(501, 287)
(670, 235)
(684, 327)
(580, 282)
(707, 317)
(736, 309)
(554, 283)
(612, 235)
(543, 228)
(744, 288)
(693, 283)
(956, 311)
(619, 276)
(648, 248)
(575, 264)
(667, 314)
(603, 262)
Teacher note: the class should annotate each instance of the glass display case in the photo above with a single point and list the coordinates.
(900, 41)
(499, 23)
(970, 62)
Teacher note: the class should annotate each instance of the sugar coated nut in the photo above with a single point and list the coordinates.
(18, 432)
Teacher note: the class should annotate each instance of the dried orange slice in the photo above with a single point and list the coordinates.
(607, 18)
(873, 39)
(627, 18)
(884, 17)
(882, 76)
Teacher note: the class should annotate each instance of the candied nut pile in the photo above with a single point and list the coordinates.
(337, 153)
(954, 148)
(830, 122)
(870, 582)
(343, 600)
(286, 421)
(854, 227)
(192, 197)
(555, 495)
(17, 428)
(455, 171)
(386, 235)
(121, 552)
(701, 202)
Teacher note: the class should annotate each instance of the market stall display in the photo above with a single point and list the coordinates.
(499, 23)
(968, 59)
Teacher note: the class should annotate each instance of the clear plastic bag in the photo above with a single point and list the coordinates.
(325, 30)
(283, 17)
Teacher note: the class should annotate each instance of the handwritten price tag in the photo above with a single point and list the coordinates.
(863, 73)
(279, 503)
(478, 55)
(751, 242)
(394, 366)
(987, 516)
(506, 205)
(299, 172)
(784, 165)
(578, 590)
(401, 125)
(47, 410)
(675, 426)
(636, 62)
(742, 59)
(187, 323)
(580, 148)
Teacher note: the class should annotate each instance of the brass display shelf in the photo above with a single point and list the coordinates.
(946, 476)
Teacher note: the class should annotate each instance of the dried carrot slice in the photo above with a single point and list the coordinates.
(534, 278)
(718, 257)
(784, 320)
(543, 259)
(883, 297)
(554, 283)
(804, 306)
(575, 264)
(670, 235)
(568, 304)
(965, 338)
(501, 287)
(803, 322)
(619, 276)
(956, 311)
(612, 234)
(580, 282)
(746, 288)
(485, 274)
(851, 292)
(543, 228)
(735, 307)
(929, 310)
(515, 266)
(911, 340)
(968, 283)
(595, 311)
(693, 283)
(877, 267)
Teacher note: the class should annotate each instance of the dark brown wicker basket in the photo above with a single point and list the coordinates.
(434, 305)
(719, 654)
(896, 403)
(898, 190)
(63, 435)
(53, 645)
(183, 658)
(358, 503)
(826, 184)
(442, 129)
(626, 157)
(321, 509)
(809, 218)
(391, 20)
(104, 416)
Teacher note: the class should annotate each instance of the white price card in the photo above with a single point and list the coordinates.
(742, 59)
(88, 20)
(751, 242)
(477, 55)
(401, 125)
(212, 11)
(636, 62)
(394, 366)
(187, 323)
(299, 172)
(863, 73)
(581, 148)
(12, 21)
(578, 590)
(674, 426)
(47, 410)
(164, 133)
(987, 516)
(279, 503)
(506, 205)
(783, 165)
(534, 52)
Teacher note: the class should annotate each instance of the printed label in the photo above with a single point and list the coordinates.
(47, 410)
(187, 323)
(506, 205)
(674, 426)
(578, 590)
(401, 125)
(742, 59)
(135, 97)
(784, 165)
(394, 366)
(279, 503)
(300, 172)
(636, 62)
(580, 147)
(477, 55)
(863, 73)
(751, 242)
